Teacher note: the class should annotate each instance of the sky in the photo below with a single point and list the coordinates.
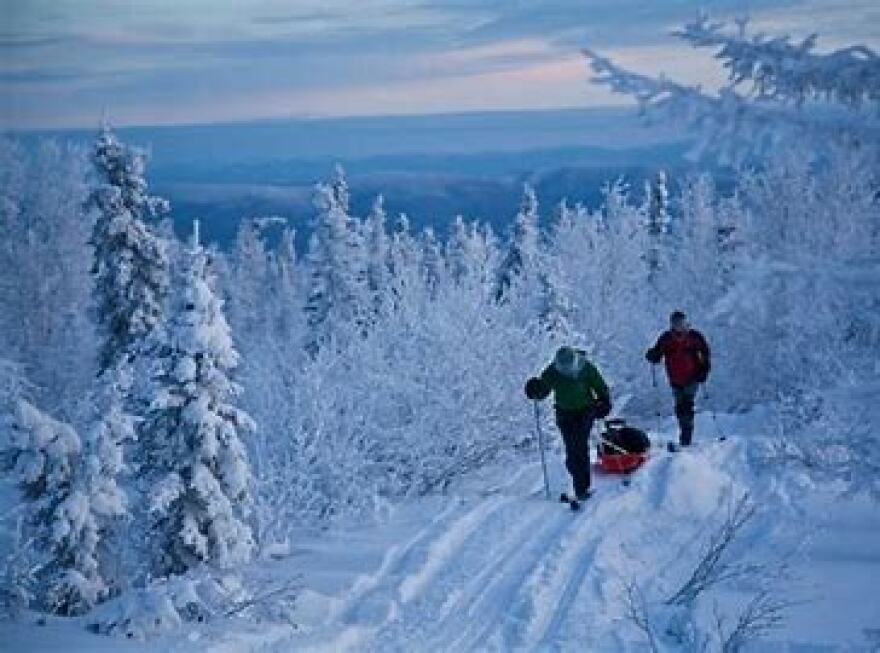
(67, 63)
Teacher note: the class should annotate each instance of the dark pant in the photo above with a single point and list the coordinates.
(575, 426)
(684, 411)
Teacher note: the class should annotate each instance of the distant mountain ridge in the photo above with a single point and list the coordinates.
(360, 137)
(432, 167)
(430, 190)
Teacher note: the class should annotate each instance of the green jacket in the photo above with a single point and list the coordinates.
(575, 393)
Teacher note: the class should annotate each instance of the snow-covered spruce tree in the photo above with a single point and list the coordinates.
(43, 455)
(657, 223)
(600, 256)
(73, 500)
(459, 250)
(529, 280)
(264, 308)
(197, 463)
(271, 361)
(627, 303)
(404, 262)
(318, 307)
(249, 284)
(13, 228)
(288, 289)
(472, 256)
(98, 487)
(336, 303)
(433, 265)
(378, 255)
(131, 262)
(574, 271)
(12, 387)
(45, 285)
(554, 307)
(709, 238)
(14, 569)
(658, 204)
(520, 263)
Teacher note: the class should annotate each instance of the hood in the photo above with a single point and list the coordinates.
(569, 361)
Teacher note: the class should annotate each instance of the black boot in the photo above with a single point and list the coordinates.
(685, 434)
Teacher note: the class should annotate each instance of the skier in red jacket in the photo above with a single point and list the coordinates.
(688, 362)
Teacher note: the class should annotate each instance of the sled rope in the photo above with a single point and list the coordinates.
(610, 444)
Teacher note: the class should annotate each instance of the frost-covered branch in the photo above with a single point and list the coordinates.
(678, 622)
(764, 612)
(713, 567)
(833, 97)
(790, 72)
(636, 611)
(276, 595)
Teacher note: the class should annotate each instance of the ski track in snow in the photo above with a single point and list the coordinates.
(484, 602)
(503, 569)
(397, 559)
(566, 584)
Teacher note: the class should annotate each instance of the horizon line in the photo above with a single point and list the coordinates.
(315, 118)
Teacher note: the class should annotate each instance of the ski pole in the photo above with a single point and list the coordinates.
(721, 434)
(541, 447)
(657, 401)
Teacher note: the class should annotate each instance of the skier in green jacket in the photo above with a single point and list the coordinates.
(580, 396)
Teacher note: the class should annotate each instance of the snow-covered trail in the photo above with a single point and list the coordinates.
(505, 569)
(494, 566)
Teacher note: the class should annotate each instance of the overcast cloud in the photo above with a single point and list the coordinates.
(65, 62)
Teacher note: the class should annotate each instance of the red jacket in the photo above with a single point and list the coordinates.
(687, 356)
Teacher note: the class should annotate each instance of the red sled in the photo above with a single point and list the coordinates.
(621, 463)
(622, 449)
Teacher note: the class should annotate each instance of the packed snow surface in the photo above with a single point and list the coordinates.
(494, 566)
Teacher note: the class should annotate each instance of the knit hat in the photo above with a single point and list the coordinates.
(677, 319)
(569, 361)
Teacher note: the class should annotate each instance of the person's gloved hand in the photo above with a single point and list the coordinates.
(653, 355)
(703, 374)
(536, 389)
(602, 408)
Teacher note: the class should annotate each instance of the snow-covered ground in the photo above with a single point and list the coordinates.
(492, 565)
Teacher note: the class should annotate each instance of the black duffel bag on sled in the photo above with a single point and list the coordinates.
(622, 448)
